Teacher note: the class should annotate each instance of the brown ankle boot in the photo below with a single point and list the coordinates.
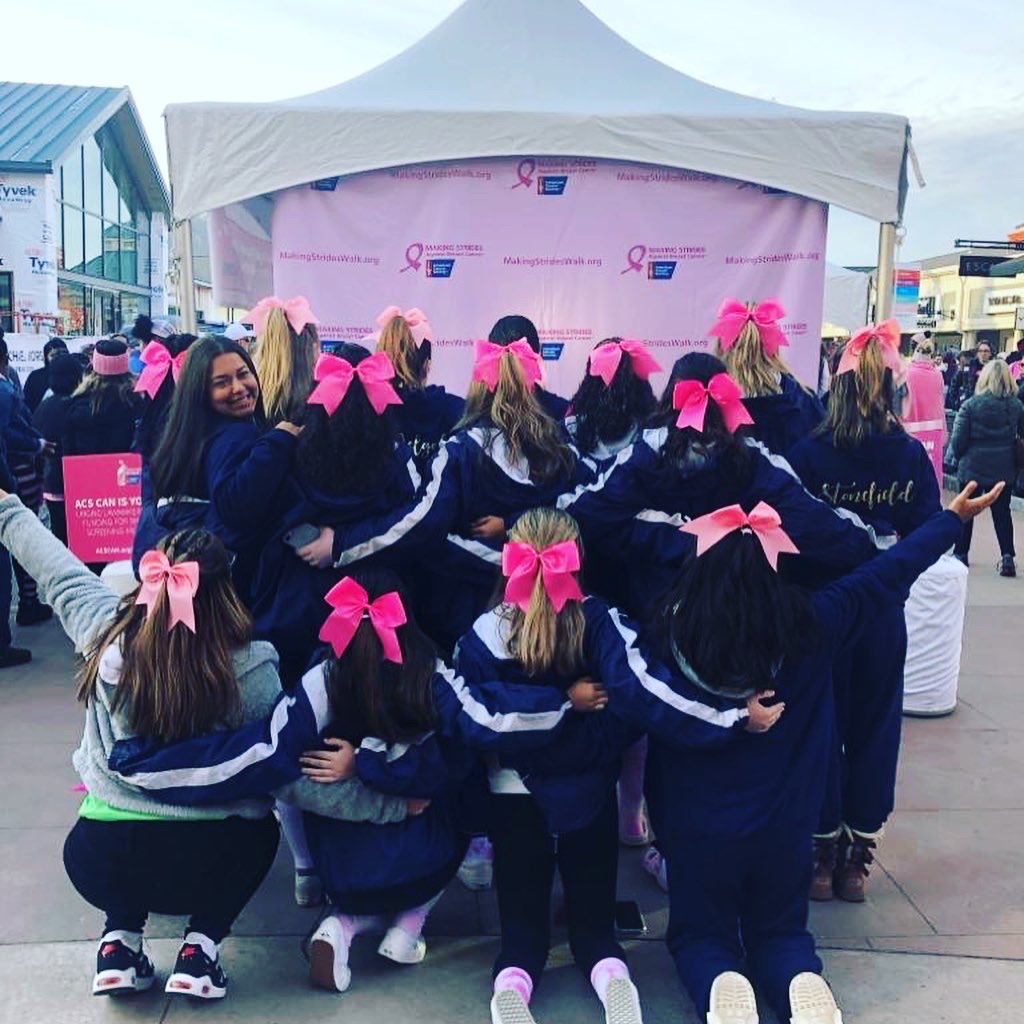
(826, 851)
(858, 854)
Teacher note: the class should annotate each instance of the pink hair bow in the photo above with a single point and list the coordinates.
(296, 311)
(488, 360)
(520, 563)
(351, 604)
(605, 360)
(763, 521)
(158, 363)
(415, 318)
(182, 581)
(690, 397)
(733, 315)
(334, 375)
(887, 334)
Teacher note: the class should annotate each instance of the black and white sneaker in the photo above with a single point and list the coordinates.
(195, 974)
(120, 969)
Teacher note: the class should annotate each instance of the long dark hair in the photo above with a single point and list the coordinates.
(373, 697)
(179, 462)
(732, 453)
(348, 452)
(861, 401)
(176, 683)
(733, 618)
(609, 413)
(511, 328)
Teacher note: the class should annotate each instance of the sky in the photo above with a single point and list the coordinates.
(954, 69)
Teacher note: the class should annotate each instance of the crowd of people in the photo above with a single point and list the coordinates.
(494, 637)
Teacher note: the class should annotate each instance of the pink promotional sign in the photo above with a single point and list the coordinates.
(102, 499)
(586, 249)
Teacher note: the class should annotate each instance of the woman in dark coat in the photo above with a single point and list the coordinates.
(984, 442)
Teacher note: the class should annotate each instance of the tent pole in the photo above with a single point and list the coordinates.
(884, 281)
(186, 279)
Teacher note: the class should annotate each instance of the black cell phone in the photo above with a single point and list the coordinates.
(301, 535)
(629, 922)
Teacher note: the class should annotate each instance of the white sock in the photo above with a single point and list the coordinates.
(204, 942)
(133, 940)
(294, 831)
(412, 921)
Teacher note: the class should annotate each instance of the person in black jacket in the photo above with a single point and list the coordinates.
(37, 383)
(65, 375)
(102, 413)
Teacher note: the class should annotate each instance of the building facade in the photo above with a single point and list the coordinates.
(84, 212)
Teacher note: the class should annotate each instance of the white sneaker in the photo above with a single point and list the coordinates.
(508, 1007)
(622, 1003)
(309, 890)
(403, 948)
(732, 1000)
(328, 956)
(476, 871)
(811, 1001)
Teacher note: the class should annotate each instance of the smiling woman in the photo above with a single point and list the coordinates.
(216, 463)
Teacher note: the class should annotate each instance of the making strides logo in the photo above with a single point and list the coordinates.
(437, 260)
(660, 261)
(549, 177)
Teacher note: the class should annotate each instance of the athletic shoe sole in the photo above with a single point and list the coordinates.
(507, 1007)
(198, 988)
(321, 967)
(622, 1003)
(732, 1000)
(114, 983)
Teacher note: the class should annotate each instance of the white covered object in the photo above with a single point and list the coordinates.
(503, 78)
(935, 625)
(846, 298)
(119, 577)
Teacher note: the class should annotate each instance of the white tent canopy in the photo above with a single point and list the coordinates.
(528, 78)
(847, 293)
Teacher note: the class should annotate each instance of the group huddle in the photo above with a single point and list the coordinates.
(495, 637)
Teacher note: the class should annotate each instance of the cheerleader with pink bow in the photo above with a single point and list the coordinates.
(750, 342)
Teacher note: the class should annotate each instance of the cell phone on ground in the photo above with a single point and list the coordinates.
(629, 922)
(301, 535)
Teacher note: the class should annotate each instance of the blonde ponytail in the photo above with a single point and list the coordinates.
(398, 344)
(540, 638)
(529, 433)
(284, 365)
(747, 362)
(861, 400)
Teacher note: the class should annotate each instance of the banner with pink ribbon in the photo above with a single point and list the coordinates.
(586, 249)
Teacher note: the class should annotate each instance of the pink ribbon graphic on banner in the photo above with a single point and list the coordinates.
(520, 564)
(413, 257)
(525, 172)
(488, 361)
(763, 521)
(635, 259)
(691, 397)
(182, 581)
(334, 375)
(605, 360)
(351, 604)
(733, 316)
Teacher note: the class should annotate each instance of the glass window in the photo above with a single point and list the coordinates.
(93, 176)
(131, 306)
(111, 197)
(71, 178)
(129, 255)
(127, 220)
(93, 246)
(71, 300)
(111, 252)
(141, 220)
(73, 240)
(6, 301)
(144, 262)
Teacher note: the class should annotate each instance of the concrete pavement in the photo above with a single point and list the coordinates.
(941, 938)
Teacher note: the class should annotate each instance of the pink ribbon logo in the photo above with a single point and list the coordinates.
(413, 257)
(635, 259)
(525, 172)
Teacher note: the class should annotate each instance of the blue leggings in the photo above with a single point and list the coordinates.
(741, 905)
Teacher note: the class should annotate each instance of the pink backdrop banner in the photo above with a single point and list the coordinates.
(585, 248)
(102, 499)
